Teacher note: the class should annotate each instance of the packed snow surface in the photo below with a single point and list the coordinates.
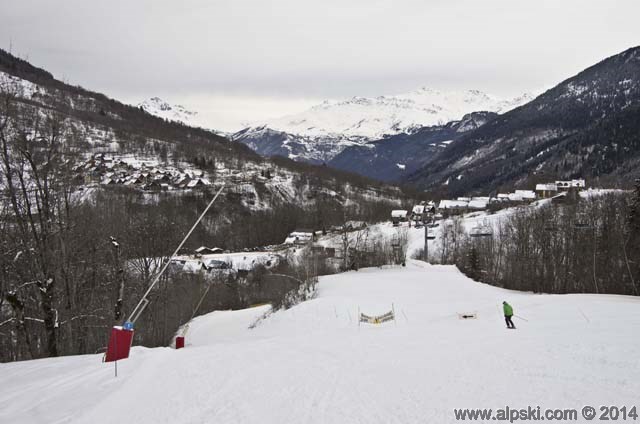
(314, 364)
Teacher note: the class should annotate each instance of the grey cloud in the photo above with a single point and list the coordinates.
(328, 48)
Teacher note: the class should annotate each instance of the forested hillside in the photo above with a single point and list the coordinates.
(586, 126)
(96, 194)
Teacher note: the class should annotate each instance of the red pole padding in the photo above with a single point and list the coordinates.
(179, 342)
(119, 344)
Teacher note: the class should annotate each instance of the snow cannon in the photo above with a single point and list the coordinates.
(119, 343)
(122, 337)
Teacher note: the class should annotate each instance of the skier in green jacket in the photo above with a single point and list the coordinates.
(508, 313)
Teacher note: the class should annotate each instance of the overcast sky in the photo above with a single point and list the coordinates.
(246, 60)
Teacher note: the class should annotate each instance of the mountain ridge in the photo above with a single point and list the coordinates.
(322, 132)
(163, 109)
(588, 125)
(375, 117)
(395, 157)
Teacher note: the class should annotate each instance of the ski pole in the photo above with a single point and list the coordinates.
(518, 316)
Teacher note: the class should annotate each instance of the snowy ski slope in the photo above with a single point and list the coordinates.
(313, 364)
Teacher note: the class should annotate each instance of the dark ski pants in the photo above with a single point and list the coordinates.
(510, 324)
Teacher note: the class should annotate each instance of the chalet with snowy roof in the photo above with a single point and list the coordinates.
(453, 205)
(515, 197)
(176, 265)
(398, 216)
(572, 185)
(182, 181)
(162, 178)
(204, 250)
(215, 264)
(151, 186)
(571, 188)
(546, 190)
(417, 213)
(526, 194)
(300, 237)
(198, 183)
(194, 267)
(478, 203)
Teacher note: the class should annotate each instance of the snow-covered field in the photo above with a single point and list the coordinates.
(314, 364)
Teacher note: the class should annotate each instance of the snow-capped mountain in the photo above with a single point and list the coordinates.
(587, 126)
(375, 117)
(399, 155)
(158, 107)
(325, 130)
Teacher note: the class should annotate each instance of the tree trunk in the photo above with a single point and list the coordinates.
(50, 315)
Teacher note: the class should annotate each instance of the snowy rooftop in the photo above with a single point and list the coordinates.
(478, 203)
(571, 183)
(526, 194)
(399, 213)
(453, 204)
(546, 187)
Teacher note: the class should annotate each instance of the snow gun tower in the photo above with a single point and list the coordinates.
(122, 336)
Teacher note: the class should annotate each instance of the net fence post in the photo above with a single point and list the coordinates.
(393, 311)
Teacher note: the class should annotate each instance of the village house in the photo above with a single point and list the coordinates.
(453, 205)
(204, 250)
(528, 195)
(194, 267)
(176, 265)
(198, 183)
(215, 264)
(417, 213)
(573, 186)
(545, 191)
(478, 203)
(398, 216)
(182, 180)
(300, 237)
